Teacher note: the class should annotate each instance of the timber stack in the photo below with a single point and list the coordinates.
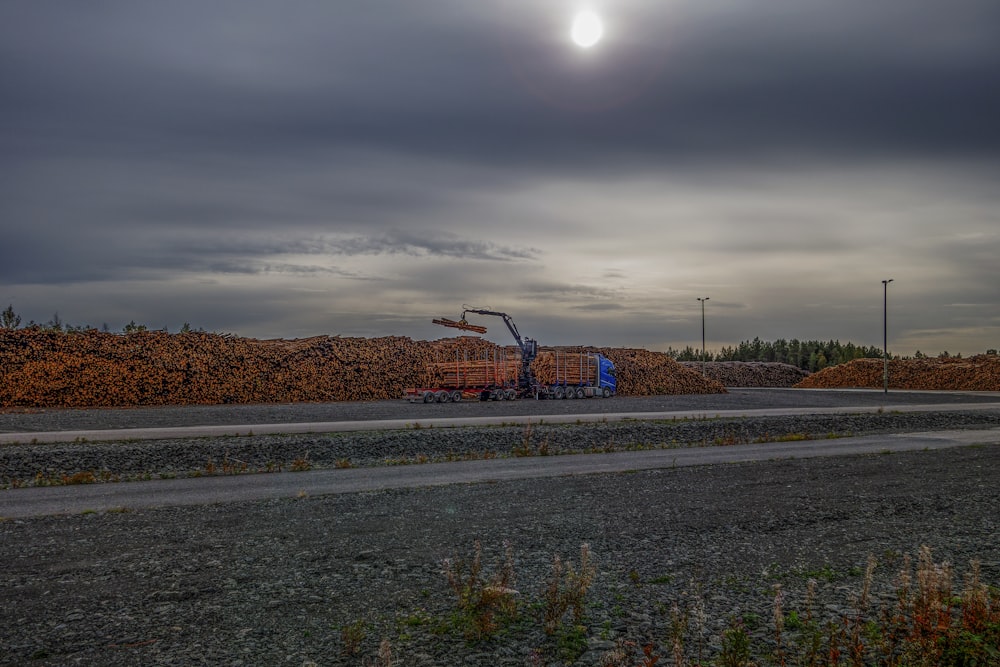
(978, 373)
(43, 368)
(749, 373)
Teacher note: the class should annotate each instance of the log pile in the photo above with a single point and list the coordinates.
(573, 368)
(40, 368)
(978, 373)
(472, 368)
(750, 373)
(646, 373)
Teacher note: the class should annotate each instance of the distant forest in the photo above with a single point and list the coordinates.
(809, 355)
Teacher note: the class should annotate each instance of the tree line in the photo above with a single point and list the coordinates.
(809, 355)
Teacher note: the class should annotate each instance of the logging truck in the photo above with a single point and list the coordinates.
(523, 373)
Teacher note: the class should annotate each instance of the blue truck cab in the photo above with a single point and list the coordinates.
(607, 377)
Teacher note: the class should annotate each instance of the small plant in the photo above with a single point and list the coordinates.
(342, 464)
(485, 603)
(383, 658)
(735, 646)
(566, 590)
(351, 637)
(301, 464)
(83, 477)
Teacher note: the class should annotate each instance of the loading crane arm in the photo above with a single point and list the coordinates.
(529, 348)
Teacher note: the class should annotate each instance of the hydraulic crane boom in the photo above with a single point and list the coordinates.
(529, 349)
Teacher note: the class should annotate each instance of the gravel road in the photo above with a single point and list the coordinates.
(277, 582)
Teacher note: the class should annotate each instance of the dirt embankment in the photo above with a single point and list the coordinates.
(99, 369)
(978, 373)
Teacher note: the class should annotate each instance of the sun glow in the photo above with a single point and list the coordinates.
(587, 29)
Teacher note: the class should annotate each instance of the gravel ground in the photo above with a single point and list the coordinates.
(276, 582)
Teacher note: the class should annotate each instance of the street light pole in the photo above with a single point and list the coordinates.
(703, 300)
(885, 335)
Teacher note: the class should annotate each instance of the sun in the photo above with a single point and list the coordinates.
(587, 29)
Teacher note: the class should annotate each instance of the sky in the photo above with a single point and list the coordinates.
(290, 168)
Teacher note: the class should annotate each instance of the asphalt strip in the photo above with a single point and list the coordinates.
(218, 430)
(43, 501)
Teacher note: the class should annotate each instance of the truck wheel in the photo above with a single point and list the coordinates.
(456, 396)
(510, 394)
(580, 393)
(428, 397)
(443, 397)
(570, 392)
(606, 392)
(559, 392)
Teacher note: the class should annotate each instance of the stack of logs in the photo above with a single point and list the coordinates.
(645, 373)
(750, 373)
(471, 367)
(573, 368)
(978, 373)
(43, 368)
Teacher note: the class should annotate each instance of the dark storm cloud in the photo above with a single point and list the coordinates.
(432, 79)
(427, 244)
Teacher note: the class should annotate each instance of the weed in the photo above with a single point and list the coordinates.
(572, 642)
(567, 587)
(84, 477)
(735, 646)
(351, 637)
(383, 658)
(301, 464)
(342, 464)
(485, 603)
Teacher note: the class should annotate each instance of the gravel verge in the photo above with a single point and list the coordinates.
(46, 464)
(276, 582)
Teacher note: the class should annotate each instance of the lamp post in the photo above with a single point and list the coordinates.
(703, 300)
(885, 335)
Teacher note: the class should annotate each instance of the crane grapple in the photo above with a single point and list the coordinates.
(461, 324)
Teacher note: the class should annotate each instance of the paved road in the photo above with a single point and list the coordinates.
(215, 430)
(245, 416)
(27, 502)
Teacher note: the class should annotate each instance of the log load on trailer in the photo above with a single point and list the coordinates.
(491, 377)
(524, 374)
(574, 375)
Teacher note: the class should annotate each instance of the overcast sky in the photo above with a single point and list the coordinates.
(286, 168)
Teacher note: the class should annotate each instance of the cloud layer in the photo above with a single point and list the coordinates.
(288, 169)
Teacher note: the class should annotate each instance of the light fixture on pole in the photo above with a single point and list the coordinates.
(885, 335)
(703, 300)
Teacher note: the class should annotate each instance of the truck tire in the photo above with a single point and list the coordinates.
(570, 392)
(456, 396)
(510, 394)
(428, 397)
(606, 393)
(580, 393)
(443, 397)
(558, 392)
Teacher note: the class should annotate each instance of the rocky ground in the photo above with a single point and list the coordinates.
(325, 580)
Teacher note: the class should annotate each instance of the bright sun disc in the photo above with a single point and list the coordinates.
(587, 29)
